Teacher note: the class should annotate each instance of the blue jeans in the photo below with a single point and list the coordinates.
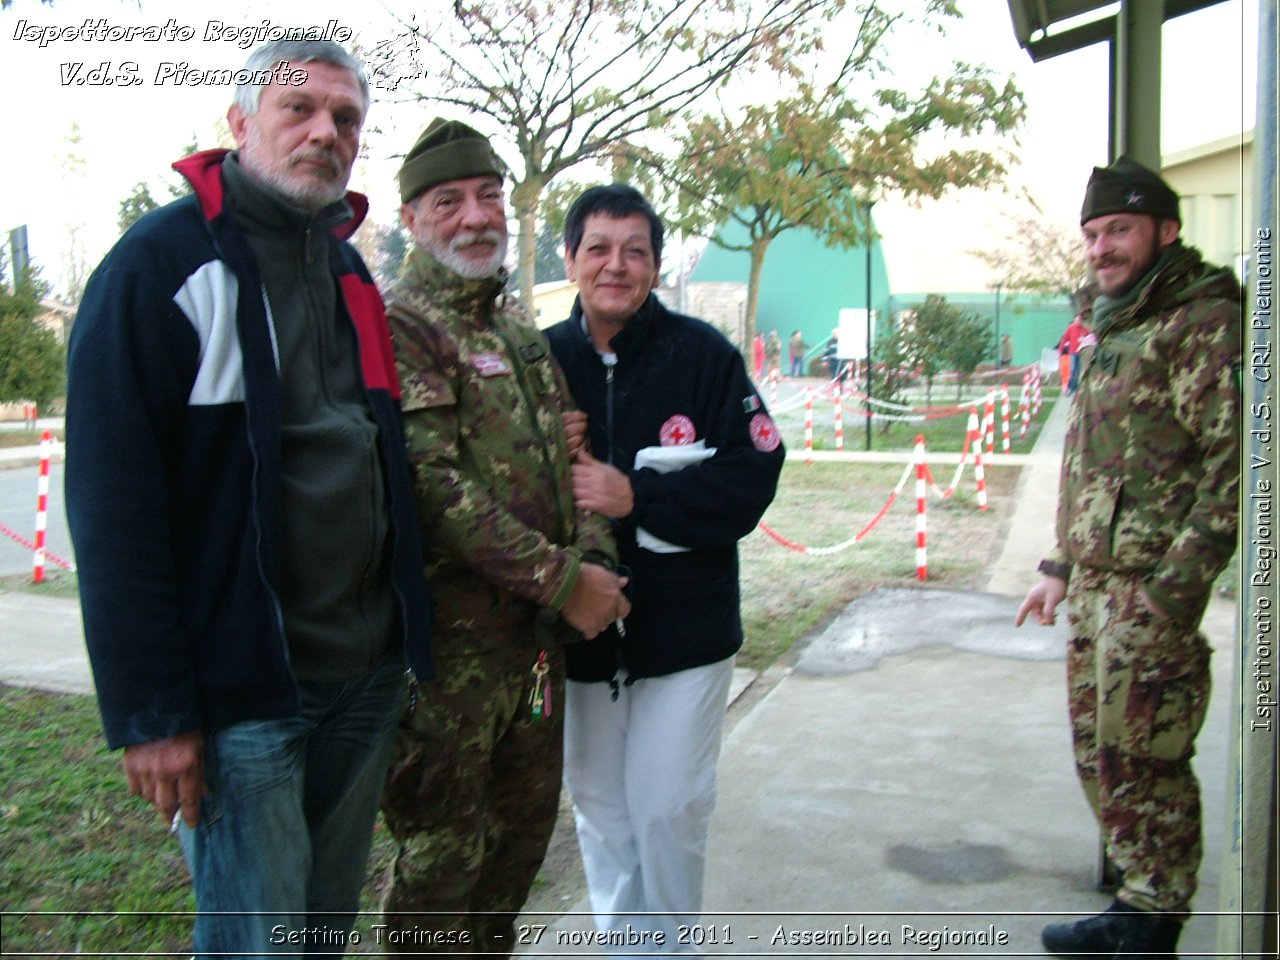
(279, 857)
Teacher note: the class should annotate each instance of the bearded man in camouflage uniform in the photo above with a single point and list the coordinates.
(1146, 522)
(474, 789)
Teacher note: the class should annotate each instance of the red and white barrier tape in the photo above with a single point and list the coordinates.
(845, 544)
(808, 426)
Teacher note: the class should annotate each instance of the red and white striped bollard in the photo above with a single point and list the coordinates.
(989, 421)
(922, 493)
(808, 425)
(979, 474)
(42, 507)
(839, 414)
(1004, 418)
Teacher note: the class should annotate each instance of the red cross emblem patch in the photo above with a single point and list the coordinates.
(678, 431)
(764, 433)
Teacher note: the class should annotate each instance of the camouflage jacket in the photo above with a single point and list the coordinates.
(1151, 468)
(482, 408)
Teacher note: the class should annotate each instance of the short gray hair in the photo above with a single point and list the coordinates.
(265, 57)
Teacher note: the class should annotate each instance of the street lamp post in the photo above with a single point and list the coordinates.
(870, 240)
(999, 350)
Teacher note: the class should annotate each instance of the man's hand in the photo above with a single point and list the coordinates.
(601, 488)
(1043, 600)
(597, 600)
(169, 774)
(575, 431)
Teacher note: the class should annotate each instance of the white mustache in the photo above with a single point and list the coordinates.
(472, 238)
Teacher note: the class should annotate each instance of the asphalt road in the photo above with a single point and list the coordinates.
(19, 486)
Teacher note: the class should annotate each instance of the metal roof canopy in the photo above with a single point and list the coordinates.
(1133, 36)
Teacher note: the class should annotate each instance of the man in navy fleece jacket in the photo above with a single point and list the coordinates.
(250, 573)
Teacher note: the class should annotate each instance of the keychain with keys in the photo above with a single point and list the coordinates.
(540, 696)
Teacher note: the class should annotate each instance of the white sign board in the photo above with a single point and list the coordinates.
(851, 338)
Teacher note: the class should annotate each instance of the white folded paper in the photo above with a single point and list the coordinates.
(668, 460)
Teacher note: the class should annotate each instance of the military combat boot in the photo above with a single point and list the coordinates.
(1122, 931)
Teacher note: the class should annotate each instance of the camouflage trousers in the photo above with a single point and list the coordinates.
(471, 800)
(1138, 689)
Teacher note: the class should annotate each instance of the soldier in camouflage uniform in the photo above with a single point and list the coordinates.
(1146, 522)
(474, 789)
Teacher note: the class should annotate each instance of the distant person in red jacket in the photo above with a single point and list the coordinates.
(1076, 335)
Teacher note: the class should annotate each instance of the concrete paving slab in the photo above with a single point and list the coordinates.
(42, 643)
(886, 622)
(924, 802)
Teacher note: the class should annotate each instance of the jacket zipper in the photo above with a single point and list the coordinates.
(609, 363)
(276, 608)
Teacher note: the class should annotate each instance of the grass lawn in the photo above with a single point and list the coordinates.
(24, 438)
(84, 867)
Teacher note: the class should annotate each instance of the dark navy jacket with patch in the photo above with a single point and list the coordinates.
(673, 374)
(172, 479)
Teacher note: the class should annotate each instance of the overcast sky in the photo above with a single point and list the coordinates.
(132, 133)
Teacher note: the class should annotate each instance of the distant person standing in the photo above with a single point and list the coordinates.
(797, 349)
(1073, 339)
(757, 351)
(1006, 350)
(773, 354)
(1147, 519)
(830, 355)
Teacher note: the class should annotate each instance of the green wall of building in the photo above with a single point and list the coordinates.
(805, 284)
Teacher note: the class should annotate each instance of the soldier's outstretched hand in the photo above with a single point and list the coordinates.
(1042, 600)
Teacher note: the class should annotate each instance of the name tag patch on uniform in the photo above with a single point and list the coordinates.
(764, 433)
(490, 364)
(678, 431)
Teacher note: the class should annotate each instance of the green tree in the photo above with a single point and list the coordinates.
(968, 344)
(135, 206)
(393, 247)
(74, 252)
(891, 372)
(141, 201)
(927, 335)
(32, 359)
(549, 263)
(565, 81)
(819, 157)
